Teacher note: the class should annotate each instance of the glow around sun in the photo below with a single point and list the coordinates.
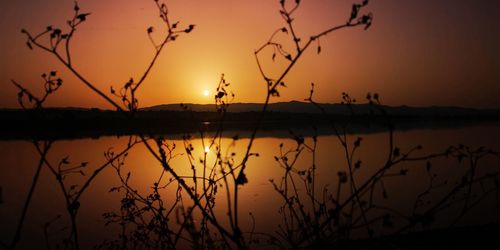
(206, 92)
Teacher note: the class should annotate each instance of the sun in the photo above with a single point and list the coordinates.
(206, 92)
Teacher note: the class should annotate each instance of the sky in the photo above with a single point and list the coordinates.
(417, 53)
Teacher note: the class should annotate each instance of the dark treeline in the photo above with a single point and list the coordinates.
(80, 123)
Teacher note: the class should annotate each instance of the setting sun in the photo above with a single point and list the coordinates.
(206, 92)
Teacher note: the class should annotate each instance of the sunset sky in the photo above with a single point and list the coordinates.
(418, 53)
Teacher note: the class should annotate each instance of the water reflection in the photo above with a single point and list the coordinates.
(260, 204)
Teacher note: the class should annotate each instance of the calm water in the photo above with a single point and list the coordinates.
(19, 159)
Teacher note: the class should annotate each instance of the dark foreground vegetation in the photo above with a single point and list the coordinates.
(204, 208)
(459, 238)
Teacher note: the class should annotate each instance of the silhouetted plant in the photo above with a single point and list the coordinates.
(311, 218)
(273, 85)
(57, 42)
(55, 38)
(311, 214)
(51, 84)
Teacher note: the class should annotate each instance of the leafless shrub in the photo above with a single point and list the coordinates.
(311, 214)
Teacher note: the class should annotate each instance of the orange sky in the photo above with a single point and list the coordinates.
(417, 53)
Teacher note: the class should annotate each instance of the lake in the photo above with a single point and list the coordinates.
(260, 206)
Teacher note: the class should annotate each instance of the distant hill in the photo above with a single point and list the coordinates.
(335, 109)
(56, 123)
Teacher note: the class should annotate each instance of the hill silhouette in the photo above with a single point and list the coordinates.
(334, 109)
(57, 123)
